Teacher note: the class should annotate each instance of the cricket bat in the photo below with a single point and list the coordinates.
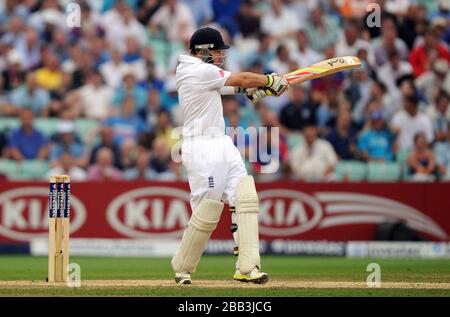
(321, 69)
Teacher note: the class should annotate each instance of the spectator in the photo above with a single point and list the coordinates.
(79, 65)
(142, 171)
(280, 63)
(13, 76)
(113, 70)
(359, 90)
(388, 42)
(299, 111)
(343, 137)
(27, 143)
(66, 142)
(279, 22)
(272, 156)
(442, 152)
(130, 88)
(262, 55)
(435, 79)
(305, 55)
(421, 161)
(314, 159)
(160, 160)
(147, 9)
(349, 42)
(422, 56)
(322, 29)
(175, 20)
(165, 130)
(30, 96)
(408, 122)
(96, 98)
(375, 144)
(107, 141)
(10, 9)
(231, 108)
(327, 112)
(169, 95)
(49, 77)
(225, 12)
(413, 24)
(133, 57)
(103, 169)
(248, 20)
(59, 44)
(65, 166)
(29, 49)
(393, 70)
(128, 153)
(201, 10)
(149, 114)
(123, 25)
(127, 124)
(440, 115)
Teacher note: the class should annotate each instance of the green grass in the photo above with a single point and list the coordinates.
(221, 268)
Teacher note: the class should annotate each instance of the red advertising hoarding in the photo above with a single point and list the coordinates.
(291, 211)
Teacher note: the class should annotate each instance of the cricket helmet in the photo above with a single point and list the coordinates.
(207, 38)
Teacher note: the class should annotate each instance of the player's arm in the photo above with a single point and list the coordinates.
(256, 86)
(251, 80)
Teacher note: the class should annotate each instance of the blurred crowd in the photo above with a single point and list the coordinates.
(117, 70)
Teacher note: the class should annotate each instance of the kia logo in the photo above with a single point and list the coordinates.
(286, 212)
(24, 213)
(150, 212)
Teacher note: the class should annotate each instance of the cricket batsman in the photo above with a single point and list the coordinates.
(216, 171)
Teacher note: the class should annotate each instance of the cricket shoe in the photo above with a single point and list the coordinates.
(255, 276)
(183, 278)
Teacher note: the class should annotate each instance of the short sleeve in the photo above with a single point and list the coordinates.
(214, 77)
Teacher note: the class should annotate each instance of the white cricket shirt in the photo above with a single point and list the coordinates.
(199, 87)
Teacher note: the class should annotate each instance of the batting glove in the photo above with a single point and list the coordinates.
(256, 94)
(277, 84)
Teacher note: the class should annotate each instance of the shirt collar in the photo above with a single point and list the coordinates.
(190, 59)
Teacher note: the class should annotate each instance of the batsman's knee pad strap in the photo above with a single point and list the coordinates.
(247, 208)
(203, 221)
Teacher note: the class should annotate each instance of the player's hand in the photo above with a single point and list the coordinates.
(256, 94)
(278, 84)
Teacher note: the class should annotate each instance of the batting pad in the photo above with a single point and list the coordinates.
(247, 209)
(203, 222)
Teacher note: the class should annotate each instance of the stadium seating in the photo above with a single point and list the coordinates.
(25, 170)
(48, 126)
(86, 128)
(402, 155)
(350, 171)
(383, 172)
(8, 168)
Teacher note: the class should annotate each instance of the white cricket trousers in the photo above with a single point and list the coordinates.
(214, 166)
